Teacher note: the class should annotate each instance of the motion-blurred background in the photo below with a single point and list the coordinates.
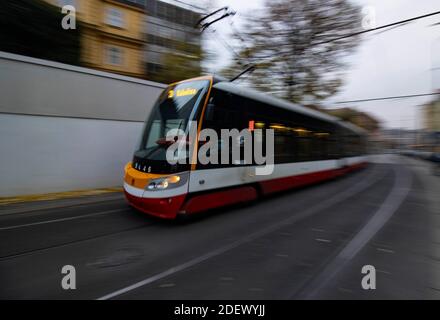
(90, 88)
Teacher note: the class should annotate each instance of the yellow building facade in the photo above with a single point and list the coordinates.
(112, 36)
(432, 116)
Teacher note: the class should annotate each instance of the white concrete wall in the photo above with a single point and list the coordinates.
(66, 128)
(40, 87)
(51, 154)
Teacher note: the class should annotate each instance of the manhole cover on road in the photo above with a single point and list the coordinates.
(118, 258)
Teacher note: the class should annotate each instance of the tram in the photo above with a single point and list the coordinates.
(308, 146)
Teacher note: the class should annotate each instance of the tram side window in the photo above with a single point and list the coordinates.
(320, 144)
(293, 136)
(227, 113)
(255, 115)
(297, 138)
(353, 145)
(304, 149)
(326, 141)
(343, 145)
(285, 142)
(364, 147)
(307, 144)
(358, 145)
(317, 146)
(266, 116)
(333, 145)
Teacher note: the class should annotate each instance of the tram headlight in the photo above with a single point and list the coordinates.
(168, 182)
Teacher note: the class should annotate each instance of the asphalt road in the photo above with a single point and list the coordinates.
(309, 243)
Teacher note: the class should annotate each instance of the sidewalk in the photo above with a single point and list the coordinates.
(432, 182)
(28, 203)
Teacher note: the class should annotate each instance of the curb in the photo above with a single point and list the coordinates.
(57, 195)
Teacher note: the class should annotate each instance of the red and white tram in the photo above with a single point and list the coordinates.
(309, 146)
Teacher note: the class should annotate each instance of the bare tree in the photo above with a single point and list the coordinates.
(291, 42)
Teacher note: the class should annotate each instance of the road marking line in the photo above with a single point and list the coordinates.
(323, 240)
(357, 188)
(385, 250)
(60, 220)
(401, 187)
(383, 271)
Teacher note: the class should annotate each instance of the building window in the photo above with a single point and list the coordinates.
(154, 57)
(115, 17)
(161, 10)
(114, 55)
(154, 68)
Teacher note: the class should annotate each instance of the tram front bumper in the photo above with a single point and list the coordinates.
(166, 208)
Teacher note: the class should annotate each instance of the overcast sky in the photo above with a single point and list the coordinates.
(393, 63)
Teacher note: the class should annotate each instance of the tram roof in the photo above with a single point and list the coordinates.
(249, 93)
